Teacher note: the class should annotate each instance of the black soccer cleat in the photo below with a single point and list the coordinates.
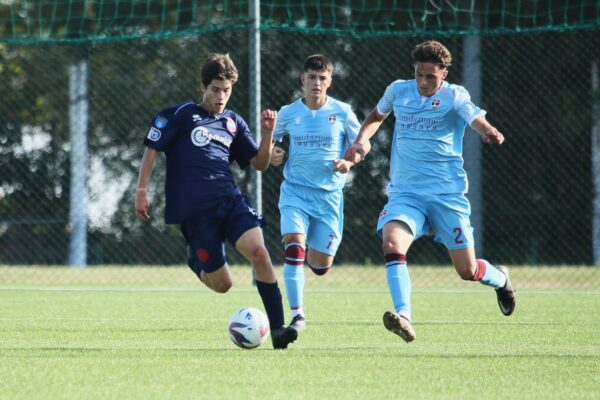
(283, 336)
(399, 325)
(506, 294)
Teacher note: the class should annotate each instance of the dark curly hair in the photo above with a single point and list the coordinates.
(432, 52)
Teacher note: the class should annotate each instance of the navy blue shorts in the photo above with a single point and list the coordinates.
(227, 218)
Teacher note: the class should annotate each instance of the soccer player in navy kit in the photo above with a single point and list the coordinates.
(427, 180)
(200, 141)
(311, 203)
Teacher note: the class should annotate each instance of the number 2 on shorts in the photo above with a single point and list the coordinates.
(458, 237)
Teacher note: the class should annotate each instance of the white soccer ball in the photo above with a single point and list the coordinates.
(248, 328)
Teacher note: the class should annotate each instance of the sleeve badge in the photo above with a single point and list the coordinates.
(160, 122)
(154, 134)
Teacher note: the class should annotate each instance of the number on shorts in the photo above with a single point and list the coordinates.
(458, 237)
(331, 239)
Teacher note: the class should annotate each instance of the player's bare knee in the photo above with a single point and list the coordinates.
(466, 272)
(221, 286)
(389, 247)
(259, 256)
(319, 263)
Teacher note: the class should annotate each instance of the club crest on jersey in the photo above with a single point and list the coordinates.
(160, 122)
(332, 119)
(202, 136)
(383, 213)
(297, 120)
(435, 104)
(231, 127)
(153, 134)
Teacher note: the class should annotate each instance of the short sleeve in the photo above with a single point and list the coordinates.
(386, 103)
(163, 130)
(465, 107)
(243, 148)
(280, 130)
(352, 126)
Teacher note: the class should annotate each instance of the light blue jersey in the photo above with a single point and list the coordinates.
(317, 137)
(427, 146)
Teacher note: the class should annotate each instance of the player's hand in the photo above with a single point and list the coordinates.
(492, 136)
(268, 118)
(277, 155)
(141, 205)
(357, 152)
(342, 166)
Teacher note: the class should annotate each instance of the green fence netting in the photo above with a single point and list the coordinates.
(537, 190)
(87, 20)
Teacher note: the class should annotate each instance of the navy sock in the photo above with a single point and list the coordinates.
(271, 298)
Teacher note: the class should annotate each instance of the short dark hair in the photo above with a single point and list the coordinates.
(318, 62)
(432, 52)
(218, 66)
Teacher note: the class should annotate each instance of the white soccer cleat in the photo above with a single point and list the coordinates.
(298, 323)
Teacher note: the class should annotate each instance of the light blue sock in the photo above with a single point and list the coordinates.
(293, 276)
(398, 281)
(493, 276)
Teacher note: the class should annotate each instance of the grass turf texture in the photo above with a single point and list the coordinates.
(155, 343)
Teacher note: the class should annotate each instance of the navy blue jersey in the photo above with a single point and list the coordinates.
(199, 147)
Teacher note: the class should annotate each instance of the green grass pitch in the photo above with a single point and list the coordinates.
(111, 341)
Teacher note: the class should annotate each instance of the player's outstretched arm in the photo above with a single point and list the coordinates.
(261, 160)
(362, 145)
(141, 192)
(489, 134)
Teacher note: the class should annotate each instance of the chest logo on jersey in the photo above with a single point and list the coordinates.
(435, 104)
(332, 119)
(196, 118)
(153, 134)
(231, 127)
(202, 136)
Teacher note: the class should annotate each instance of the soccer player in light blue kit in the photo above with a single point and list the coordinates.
(311, 201)
(428, 183)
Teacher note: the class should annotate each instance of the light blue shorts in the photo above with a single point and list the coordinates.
(317, 214)
(446, 215)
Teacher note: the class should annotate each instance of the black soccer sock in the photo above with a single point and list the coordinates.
(271, 298)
